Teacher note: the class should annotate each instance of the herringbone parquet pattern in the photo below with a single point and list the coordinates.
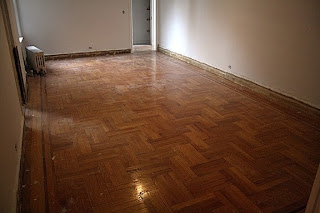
(147, 133)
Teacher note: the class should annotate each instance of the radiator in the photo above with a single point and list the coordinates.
(35, 58)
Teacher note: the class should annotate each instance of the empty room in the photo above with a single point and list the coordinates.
(160, 106)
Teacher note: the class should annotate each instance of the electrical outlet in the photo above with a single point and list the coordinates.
(90, 48)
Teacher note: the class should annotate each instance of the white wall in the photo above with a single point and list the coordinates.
(273, 43)
(11, 125)
(69, 26)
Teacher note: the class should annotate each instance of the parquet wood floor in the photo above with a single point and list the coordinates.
(145, 132)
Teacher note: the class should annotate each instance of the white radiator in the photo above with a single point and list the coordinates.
(35, 58)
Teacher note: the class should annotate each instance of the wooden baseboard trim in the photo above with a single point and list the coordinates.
(85, 54)
(301, 110)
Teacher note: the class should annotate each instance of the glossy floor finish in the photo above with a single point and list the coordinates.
(145, 132)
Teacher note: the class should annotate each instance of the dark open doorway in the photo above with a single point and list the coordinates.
(141, 15)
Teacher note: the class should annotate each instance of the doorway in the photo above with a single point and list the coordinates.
(143, 25)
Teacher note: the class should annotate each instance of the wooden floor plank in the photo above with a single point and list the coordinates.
(144, 132)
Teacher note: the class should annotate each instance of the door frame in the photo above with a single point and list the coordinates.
(153, 27)
(14, 50)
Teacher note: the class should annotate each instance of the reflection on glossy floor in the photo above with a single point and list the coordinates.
(147, 133)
